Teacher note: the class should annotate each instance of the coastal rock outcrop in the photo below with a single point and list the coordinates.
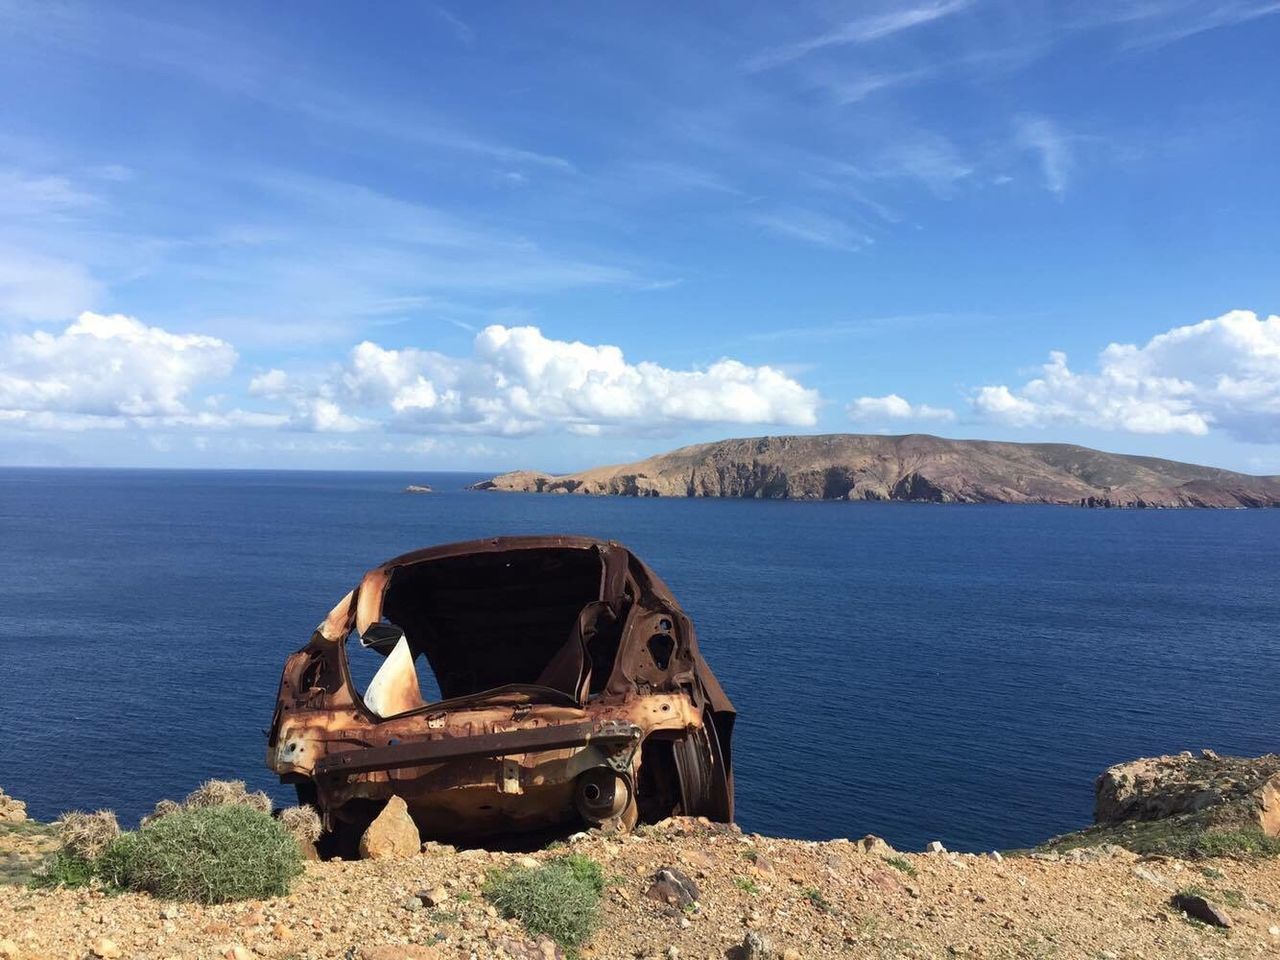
(11, 809)
(1241, 791)
(915, 467)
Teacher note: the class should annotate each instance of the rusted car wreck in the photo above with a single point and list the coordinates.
(571, 691)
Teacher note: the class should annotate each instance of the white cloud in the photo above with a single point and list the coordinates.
(1052, 147)
(272, 384)
(518, 381)
(104, 367)
(1222, 373)
(894, 407)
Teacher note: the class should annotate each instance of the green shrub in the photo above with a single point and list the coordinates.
(208, 854)
(63, 869)
(560, 898)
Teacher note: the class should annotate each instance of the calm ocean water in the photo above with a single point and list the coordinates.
(918, 672)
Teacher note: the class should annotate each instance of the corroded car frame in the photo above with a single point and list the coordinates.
(640, 738)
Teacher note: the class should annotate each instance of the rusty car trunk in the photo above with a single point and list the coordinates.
(571, 691)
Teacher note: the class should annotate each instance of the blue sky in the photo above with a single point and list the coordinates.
(505, 235)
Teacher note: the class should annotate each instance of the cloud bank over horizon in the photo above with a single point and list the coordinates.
(1222, 373)
(114, 371)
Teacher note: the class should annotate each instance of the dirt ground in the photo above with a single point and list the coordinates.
(809, 900)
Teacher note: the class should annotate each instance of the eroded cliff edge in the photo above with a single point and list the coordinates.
(915, 467)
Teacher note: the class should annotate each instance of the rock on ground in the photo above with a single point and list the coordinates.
(392, 834)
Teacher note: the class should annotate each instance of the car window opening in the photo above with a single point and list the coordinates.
(461, 626)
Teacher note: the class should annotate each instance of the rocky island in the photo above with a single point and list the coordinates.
(915, 467)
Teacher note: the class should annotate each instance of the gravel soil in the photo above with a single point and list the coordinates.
(809, 900)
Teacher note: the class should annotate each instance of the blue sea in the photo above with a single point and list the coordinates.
(920, 672)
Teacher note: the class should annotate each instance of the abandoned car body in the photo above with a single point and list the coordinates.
(571, 690)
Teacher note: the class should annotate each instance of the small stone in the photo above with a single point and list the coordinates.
(433, 897)
(1208, 754)
(528, 863)
(673, 952)
(935, 846)
(281, 932)
(106, 949)
(996, 856)
(672, 885)
(237, 952)
(169, 912)
(756, 946)
(791, 953)
(1274, 931)
(411, 903)
(8, 950)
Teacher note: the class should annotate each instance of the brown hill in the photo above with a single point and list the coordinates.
(913, 467)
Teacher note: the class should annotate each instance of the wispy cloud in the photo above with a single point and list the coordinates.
(223, 56)
(810, 226)
(1052, 147)
(1178, 21)
(845, 91)
(461, 29)
(861, 30)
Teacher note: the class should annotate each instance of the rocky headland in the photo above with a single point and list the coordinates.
(1205, 884)
(915, 467)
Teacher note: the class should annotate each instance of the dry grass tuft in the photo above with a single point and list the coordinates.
(303, 823)
(226, 793)
(86, 835)
(163, 808)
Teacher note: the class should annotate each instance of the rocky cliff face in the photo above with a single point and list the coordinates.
(1231, 791)
(911, 468)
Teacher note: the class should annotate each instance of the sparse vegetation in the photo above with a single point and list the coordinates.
(901, 863)
(1232, 898)
(560, 898)
(63, 869)
(747, 885)
(1188, 837)
(815, 896)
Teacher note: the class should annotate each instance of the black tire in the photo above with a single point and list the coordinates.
(704, 787)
